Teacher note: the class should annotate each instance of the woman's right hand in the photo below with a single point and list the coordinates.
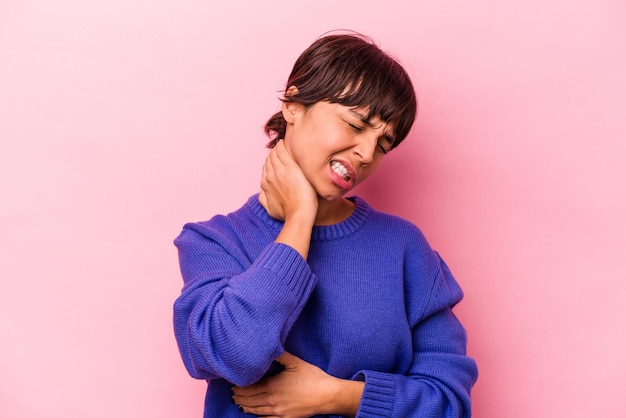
(287, 195)
(285, 191)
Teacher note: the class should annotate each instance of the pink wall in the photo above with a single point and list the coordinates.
(121, 120)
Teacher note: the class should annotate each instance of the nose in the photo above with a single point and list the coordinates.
(365, 149)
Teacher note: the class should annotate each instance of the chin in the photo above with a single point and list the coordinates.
(331, 197)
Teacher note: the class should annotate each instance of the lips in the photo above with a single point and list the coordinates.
(343, 174)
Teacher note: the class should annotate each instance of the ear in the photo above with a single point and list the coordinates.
(289, 108)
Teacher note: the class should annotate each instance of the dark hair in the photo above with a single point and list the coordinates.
(352, 71)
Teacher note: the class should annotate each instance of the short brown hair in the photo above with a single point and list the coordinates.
(349, 69)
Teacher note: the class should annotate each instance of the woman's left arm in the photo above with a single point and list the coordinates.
(438, 383)
(441, 374)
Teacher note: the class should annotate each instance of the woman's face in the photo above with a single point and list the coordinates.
(335, 146)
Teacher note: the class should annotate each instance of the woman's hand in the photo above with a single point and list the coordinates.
(286, 194)
(285, 191)
(301, 390)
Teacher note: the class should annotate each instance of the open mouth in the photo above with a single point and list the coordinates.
(340, 170)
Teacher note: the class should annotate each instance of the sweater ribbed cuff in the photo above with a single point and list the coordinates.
(284, 261)
(284, 278)
(378, 394)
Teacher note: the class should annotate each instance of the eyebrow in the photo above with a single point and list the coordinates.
(365, 120)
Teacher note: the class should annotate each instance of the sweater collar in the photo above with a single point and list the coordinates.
(319, 233)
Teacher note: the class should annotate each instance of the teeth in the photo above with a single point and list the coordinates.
(340, 169)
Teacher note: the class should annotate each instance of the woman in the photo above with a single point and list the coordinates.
(304, 302)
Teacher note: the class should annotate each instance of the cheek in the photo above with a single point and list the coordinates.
(332, 135)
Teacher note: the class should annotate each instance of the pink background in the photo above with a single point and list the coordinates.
(121, 120)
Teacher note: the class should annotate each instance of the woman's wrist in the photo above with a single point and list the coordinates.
(296, 233)
(345, 397)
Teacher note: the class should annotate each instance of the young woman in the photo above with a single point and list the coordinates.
(305, 302)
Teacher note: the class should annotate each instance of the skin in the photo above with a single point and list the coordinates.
(299, 187)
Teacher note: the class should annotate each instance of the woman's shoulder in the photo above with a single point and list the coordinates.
(389, 221)
(395, 231)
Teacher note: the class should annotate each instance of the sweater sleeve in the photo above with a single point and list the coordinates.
(441, 375)
(233, 315)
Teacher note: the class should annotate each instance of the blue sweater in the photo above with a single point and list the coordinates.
(373, 303)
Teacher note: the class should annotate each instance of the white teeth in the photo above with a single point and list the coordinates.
(340, 170)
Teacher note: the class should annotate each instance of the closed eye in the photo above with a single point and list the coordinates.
(355, 128)
(382, 146)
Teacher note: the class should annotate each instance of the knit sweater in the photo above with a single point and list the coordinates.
(372, 303)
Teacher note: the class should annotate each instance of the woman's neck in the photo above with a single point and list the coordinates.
(333, 212)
